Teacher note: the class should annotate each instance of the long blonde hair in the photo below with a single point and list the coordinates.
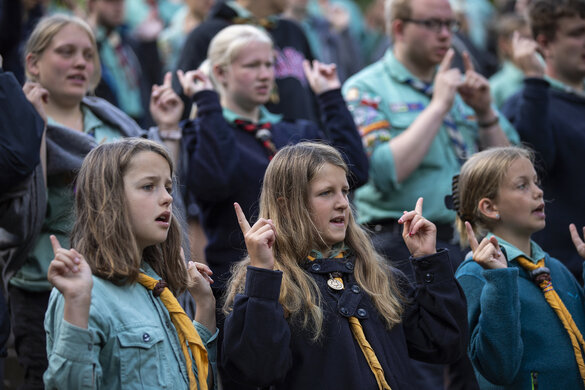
(481, 177)
(285, 199)
(102, 225)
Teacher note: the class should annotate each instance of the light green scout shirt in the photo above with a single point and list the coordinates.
(505, 83)
(383, 105)
(131, 342)
(59, 218)
(124, 77)
(512, 252)
(264, 117)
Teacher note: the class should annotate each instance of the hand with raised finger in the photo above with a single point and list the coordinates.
(475, 89)
(487, 253)
(166, 107)
(577, 241)
(525, 56)
(321, 77)
(71, 275)
(419, 234)
(194, 81)
(259, 239)
(446, 82)
(38, 96)
(69, 272)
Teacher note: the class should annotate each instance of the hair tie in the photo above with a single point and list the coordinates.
(452, 201)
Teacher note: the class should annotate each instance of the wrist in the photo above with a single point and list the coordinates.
(489, 121)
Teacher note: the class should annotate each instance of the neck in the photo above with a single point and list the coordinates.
(258, 8)
(297, 14)
(69, 116)
(574, 82)
(424, 72)
(519, 240)
(251, 113)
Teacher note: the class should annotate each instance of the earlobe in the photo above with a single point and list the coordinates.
(32, 65)
(488, 208)
(543, 44)
(219, 73)
(397, 28)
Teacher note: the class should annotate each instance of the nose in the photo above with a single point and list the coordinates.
(80, 61)
(538, 192)
(166, 198)
(266, 72)
(342, 201)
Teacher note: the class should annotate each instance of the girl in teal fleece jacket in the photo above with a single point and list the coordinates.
(517, 340)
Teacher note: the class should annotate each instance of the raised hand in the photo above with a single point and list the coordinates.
(259, 239)
(166, 107)
(525, 56)
(418, 233)
(200, 289)
(446, 82)
(194, 81)
(71, 275)
(577, 241)
(475, 90)
(487, 253)
(38, 96)
(321, 77)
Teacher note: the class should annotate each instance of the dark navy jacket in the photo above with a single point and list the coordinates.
(227, 165)
(262, 348)
(552, 122)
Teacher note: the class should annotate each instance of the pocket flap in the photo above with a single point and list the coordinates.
(140, 337)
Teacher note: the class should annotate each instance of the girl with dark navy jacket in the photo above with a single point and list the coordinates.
(230, 143)
(315, 307)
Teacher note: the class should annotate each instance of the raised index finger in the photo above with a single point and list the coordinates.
(244, 225)
(575, 235)
(473, 244)
(419, 206)
(467, 63)
(55, 243)
(446, 62)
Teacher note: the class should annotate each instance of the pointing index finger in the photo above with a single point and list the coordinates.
(55, 243)
(467, 63)
(419, 206)
(244, 225)
(446, 62)
(473, 244)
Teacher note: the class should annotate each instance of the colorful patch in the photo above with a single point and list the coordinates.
(352, 94)
(406, 107)
(364, 115)
(383, 124)
(373, 102)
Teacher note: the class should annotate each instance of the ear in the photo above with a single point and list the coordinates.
(543, 44)
(488, 208)
(219, 73)
(397, 29)
(32, 66)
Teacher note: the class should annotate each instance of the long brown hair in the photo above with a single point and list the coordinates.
(285, 200)
(102, 226)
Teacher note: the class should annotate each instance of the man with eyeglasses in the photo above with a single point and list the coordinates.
(420, 119)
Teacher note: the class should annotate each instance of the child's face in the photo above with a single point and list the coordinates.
(148, 186)
(520, 201)
(66, 66)
(329, 204)
(248, 81)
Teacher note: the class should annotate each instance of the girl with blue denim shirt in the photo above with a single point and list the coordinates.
(314, 306)
(113, 321)
(525, 309)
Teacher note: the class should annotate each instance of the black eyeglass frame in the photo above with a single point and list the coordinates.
(435, 25)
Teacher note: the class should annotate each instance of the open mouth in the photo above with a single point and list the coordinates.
(539, 210)
(338, 220)
(164, 217)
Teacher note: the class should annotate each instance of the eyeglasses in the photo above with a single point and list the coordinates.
(436, 25)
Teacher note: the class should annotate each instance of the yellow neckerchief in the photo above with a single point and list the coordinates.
(358, 332)
(187, 334)
(543, 281)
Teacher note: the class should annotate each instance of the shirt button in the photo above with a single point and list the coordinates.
(355, 289)
(429, 277)
(146, 337)
(316, 267)
(362, 312)
(349, 266)
(168, 324)
(89, 347)
(344, 311)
